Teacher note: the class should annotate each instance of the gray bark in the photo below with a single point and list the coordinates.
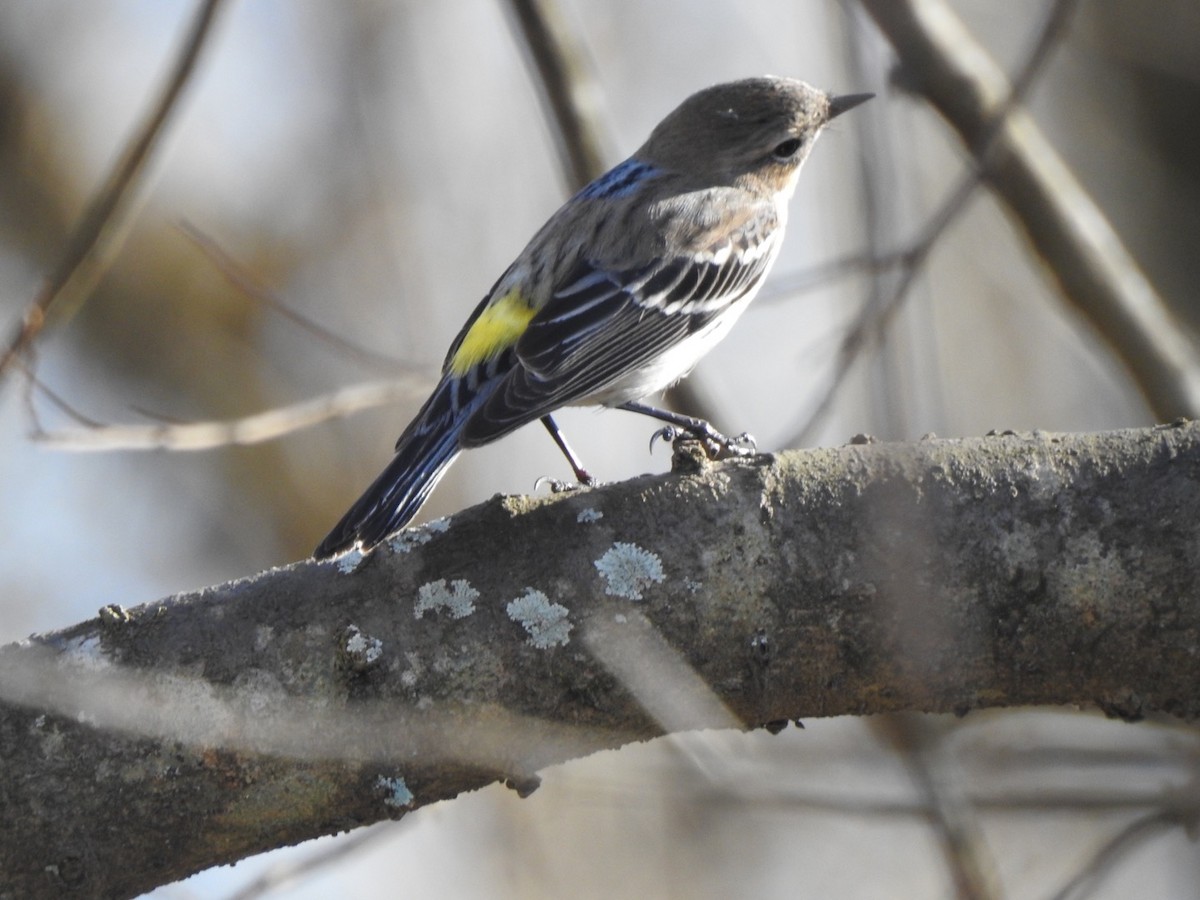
(148, 744)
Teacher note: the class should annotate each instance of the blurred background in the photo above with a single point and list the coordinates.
(339, 185)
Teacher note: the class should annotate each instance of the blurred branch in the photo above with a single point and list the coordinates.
(936, 576)
(1085, 882)
(253, 429)
(810, 278)
(871, 323)
(96, 436)
(951, 813)
(1095, 271)
(100, 233)
(567, 88)
(1084, 801)
(238, 276)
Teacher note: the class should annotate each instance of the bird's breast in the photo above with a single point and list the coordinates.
(669, 366)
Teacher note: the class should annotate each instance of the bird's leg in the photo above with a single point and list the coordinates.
(581, 474)
(739, 445)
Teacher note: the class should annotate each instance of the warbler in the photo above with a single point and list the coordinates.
(620, 293)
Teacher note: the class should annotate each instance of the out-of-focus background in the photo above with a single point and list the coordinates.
(374, 166)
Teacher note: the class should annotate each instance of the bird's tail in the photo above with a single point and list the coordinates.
(423, 454)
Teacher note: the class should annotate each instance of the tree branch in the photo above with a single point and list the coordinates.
(568, 89)
(256, 428)
(147, 744)
(1065, 227)
(98, 235)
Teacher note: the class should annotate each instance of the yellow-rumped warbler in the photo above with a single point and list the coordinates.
(620, 293)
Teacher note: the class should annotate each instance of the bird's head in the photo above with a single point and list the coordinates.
(757, 128)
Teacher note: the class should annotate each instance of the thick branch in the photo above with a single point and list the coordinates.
(944, 575)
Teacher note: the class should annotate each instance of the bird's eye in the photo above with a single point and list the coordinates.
(787, 149)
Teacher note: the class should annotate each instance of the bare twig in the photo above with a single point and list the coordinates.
(950, 811)
(34, 385)
(1110, 854)
(237, 275)
(100, 232)
(252, 429)
(1095, 271)
(1084, 801)
(874, 319)
(786, 286)
(257, 428)
(567, 88)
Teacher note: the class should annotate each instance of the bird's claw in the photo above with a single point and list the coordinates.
(721, 447)
(716, 445)
(558, 486)
(666, 434)
(742, 444)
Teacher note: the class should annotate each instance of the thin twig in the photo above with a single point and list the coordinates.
(810, 278)
(1094, 270)
(240, 278)
(253, 429)
(100, 232)
(950, 812)
(35, 384)
(874, 319)
(1083, 801)
(1113, 850)
(173, 434)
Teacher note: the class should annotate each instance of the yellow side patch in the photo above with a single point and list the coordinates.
(497, 328)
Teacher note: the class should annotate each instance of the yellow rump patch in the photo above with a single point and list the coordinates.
(497, 328)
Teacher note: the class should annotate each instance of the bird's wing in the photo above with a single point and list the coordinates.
(602, 324)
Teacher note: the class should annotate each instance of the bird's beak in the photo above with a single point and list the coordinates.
(846, 102)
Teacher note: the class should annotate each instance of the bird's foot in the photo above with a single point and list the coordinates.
(561, 486)
(716, 445)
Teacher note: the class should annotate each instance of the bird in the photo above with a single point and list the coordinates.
(618, 296)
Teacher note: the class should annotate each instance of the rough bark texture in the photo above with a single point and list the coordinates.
(147, 744)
